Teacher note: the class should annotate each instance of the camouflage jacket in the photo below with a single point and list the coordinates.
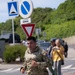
(40, 57)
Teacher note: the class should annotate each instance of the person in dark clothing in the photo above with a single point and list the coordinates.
(66, 49)
(51, 46)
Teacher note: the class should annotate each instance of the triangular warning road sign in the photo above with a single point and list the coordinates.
(28, 29)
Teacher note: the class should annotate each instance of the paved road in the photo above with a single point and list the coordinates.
(8, 66)
(71, 56)
(68, 68)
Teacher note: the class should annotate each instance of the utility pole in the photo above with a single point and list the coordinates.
(13, 29)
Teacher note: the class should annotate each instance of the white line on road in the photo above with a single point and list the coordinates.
(67, 67)
(70, 58)
(6, 70)
(72, 68)
(14, 70)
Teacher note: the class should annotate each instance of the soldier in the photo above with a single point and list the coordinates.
(36, 60)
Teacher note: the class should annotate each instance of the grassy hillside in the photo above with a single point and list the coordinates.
(60, 31)
(65, 12)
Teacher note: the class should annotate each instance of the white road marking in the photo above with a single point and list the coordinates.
(72, 68)
(14, 70)
(73, 59)
(6, 70)
(10, 70)
(67, 67)
(69, 58)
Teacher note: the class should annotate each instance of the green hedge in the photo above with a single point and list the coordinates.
(12, 52)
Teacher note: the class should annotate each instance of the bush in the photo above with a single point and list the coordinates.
(12, 52)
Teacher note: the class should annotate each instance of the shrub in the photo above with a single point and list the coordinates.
(12, 52)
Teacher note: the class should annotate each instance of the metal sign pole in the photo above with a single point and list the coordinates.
(13, 30)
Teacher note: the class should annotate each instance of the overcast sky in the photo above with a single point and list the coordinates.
(36, 3)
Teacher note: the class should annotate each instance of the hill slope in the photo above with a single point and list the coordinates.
(70, 40)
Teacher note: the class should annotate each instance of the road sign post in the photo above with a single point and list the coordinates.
(25, 10)
(38, 32)
(13, 30)
(13, 12)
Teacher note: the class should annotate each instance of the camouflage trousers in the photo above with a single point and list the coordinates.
(37, 73)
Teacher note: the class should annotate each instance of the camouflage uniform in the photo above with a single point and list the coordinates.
(40, 57)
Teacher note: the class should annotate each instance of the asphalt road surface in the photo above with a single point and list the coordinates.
(67, 68)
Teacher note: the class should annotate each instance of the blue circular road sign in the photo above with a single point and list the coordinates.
(25, 8)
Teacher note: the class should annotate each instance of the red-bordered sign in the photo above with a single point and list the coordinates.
(28, 29)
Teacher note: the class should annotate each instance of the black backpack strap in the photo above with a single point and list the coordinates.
(50, 50)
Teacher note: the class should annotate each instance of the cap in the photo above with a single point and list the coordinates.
(52, 39)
